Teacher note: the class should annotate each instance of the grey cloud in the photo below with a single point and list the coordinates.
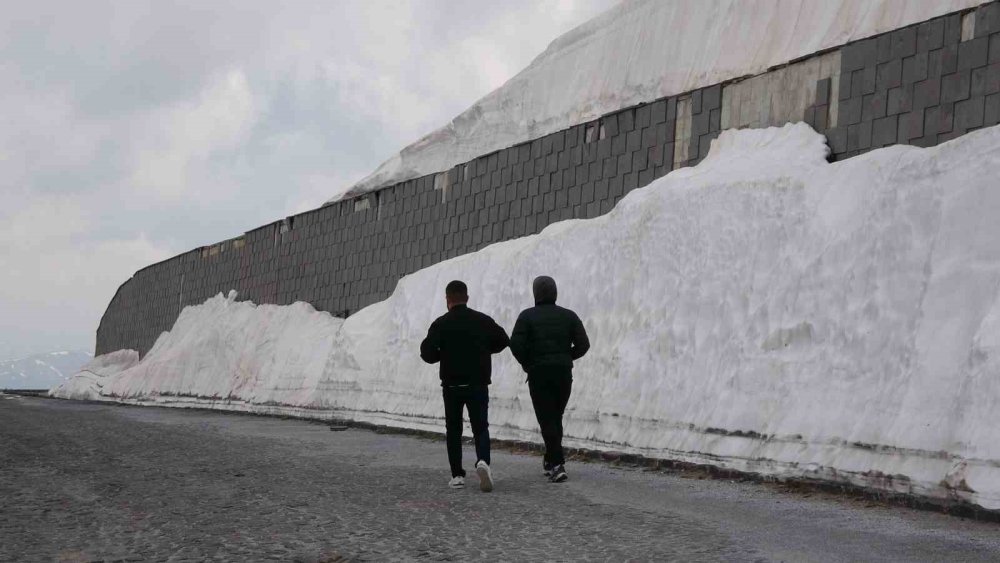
(93, 91)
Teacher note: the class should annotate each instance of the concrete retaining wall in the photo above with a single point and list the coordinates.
(920, 85)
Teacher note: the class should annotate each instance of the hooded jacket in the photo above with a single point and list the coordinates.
(547, 335)
(463, 340)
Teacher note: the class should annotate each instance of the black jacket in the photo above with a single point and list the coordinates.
(463, 340)
(548, 335)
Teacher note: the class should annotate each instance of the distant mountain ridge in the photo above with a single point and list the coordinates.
(41, 371)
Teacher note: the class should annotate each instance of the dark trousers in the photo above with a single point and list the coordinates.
(476, 399)
(550, 390)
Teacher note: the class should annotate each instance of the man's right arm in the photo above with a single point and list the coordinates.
(430, 348)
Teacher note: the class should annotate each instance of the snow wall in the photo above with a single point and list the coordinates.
(764, 311)
(920, 85)
(639, 51)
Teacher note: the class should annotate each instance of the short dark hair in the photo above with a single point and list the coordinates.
(457, 289)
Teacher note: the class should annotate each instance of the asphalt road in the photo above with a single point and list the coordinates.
(83, 482)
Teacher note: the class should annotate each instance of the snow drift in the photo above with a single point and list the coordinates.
(765, 311)
(639, 51)
(89, 381)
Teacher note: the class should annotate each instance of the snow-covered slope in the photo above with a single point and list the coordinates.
(41, 371)
(639, 51)
(766, 311)
(89, 381)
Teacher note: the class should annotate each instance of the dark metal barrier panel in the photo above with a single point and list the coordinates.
(919, 85)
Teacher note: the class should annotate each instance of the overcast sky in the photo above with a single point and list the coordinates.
(133, 131)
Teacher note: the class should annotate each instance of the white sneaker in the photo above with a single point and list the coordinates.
(485, 476)
(457, 482)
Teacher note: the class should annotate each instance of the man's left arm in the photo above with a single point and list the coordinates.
(519, 339)
(430, 348)
(498, 338)
(580, 341)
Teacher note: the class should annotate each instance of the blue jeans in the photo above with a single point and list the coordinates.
(476, 399)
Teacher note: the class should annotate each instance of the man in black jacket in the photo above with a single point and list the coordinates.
(546, 340)
(463, 340)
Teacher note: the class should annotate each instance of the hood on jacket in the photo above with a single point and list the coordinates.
(544, 289)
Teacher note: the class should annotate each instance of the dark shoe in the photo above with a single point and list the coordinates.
(558, 474)
(547, 467)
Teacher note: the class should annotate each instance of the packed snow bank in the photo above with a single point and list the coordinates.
(88, 382)
(639, 51)
(229, 350)
(764, 311)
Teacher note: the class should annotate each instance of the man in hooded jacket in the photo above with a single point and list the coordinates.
(546, 340)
